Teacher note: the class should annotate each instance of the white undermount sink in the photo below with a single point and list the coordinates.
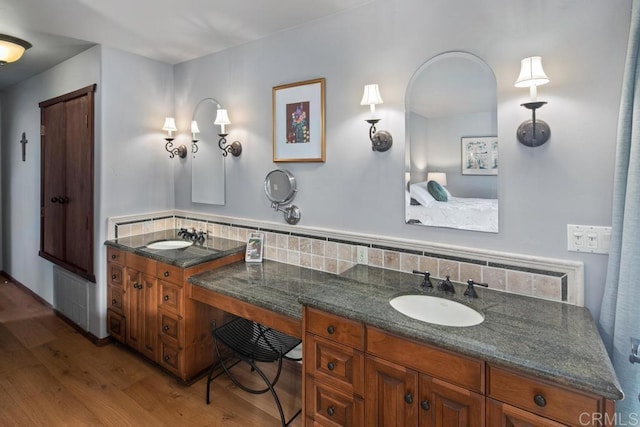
(170, 244)
(436, 310)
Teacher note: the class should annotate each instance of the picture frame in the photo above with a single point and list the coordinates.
(255, 247)
(298, 122)
(479, 155)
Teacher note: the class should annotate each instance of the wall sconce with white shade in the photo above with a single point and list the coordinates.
(380, 140)
(532, 133)
(170, 127)
(195, 130)
(222, 119)
(11, 48)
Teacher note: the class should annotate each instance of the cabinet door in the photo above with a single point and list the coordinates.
(142, 313)
(502, 415)
(391, 394)
(445, 405)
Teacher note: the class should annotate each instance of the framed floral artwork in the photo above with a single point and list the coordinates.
(480, 155)
(298, 122)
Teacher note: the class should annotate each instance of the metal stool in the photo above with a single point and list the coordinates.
(252, 342)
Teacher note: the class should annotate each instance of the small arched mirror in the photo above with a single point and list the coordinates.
(207, 166)
(280, 188)
(452, 146)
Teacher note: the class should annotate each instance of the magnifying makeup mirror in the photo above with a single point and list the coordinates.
(280, 188)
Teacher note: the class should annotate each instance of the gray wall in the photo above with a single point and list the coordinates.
(568, 180)
(133, 173)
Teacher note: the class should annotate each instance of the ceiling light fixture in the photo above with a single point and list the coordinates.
(11, 48)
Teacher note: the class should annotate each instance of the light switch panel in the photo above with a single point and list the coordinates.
(588, 238)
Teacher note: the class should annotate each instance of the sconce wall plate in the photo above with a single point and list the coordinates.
(381, 140)
(234, 148)
(180, 151)
(533, 133)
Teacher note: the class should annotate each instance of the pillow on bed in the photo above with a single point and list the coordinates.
(437, 191)
(420, 193)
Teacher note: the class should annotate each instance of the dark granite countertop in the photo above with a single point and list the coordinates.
(549, 340)
(208, 250)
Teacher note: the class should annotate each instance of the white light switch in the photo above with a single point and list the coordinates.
(588, 238)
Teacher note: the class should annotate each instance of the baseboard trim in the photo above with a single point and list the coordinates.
(99, 342)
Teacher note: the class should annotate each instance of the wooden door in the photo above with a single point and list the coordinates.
(134, 297)
(66, 203)
(445, 405)
(391, 394)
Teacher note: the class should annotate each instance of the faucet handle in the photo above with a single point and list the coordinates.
(471, 292)
(427, 281)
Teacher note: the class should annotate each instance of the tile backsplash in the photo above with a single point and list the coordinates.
(336, 252)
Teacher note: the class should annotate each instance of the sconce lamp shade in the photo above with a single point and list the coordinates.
(11, 48)
(222, 119)
(531, 73)
(169, 125)
(439, 177)
(194, 127)
(371, 96)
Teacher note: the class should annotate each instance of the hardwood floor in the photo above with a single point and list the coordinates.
(50, 375)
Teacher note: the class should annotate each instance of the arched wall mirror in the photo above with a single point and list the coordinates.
(452, 146)
(207, 166)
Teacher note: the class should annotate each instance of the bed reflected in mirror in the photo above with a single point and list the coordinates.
(452, 148)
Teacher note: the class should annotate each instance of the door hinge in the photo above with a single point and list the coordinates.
(42, 130)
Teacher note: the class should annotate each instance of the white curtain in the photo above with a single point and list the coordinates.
(620, 315)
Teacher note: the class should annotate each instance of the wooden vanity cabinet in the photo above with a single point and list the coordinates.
(412, 384)
(149, 310)
(334, 370)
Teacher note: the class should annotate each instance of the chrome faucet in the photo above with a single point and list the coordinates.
(197, 236)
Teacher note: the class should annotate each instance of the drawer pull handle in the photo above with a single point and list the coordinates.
(166, 358)
(331, 330)
(330, 411)
(114, 276)
(166, 274)
(113, 256)
(166, 297)
(114, 301)
(408, 398)
(540, 400)
(165, 328)
(425, 405)
(331, 366)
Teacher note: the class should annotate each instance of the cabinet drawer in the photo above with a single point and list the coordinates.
(171, 298)
(141, 264)
(170, 357)
(170, 273)
(460, 370)
(115, 256)
(540, 397)
(115, 299)
(335, 364)
(114, 272)
(116, 324)
(170, 328)
(335, 328)
(329, 407)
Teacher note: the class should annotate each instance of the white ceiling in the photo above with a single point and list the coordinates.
(171, 31)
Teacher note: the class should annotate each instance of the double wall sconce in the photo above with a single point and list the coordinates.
(532, 133)
(170, 127)
(380, 140)
(11, 48)
(222, 119)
